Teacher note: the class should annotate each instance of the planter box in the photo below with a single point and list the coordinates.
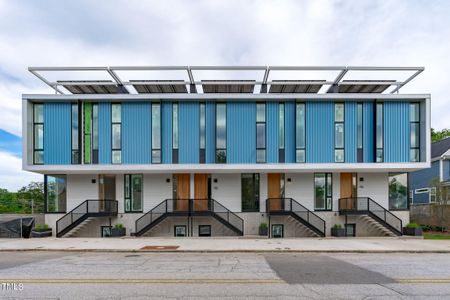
(338, 232)
(263, 231)
(116, 232)
(40, 234)
(412, 231)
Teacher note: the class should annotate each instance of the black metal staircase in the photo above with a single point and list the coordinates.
(367, 206)
(189, 208)
(87, 209)
(290, 207)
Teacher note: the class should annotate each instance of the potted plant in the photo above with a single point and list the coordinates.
(263, 229)
(337, 230)
(41, 230)
(118, 230)
(412, 229)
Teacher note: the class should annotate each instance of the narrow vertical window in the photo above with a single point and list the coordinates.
(175, 133)
(250, 192)
(133, 192)
(202, 158)
(339, 132)
(221, 133)
(300, 155)
(323, 194)
(359, 130)
(281, 151)
(156, 133)
(260, 132)
(38, 136)
(75, 136)
(55, 193)
(379, 155)
(116, 128)
(90, 132)
(95, 133)
(414, 117)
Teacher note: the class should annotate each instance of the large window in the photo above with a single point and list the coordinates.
(260, 132)
(116, 128)
(76, 137)
(175, 130)
(250, 192)
(156, 133)
(379, 154)
(55, 193)
(323, 193)
(38, 136)
(221, 133)
(359, 134)
(90, 133)
(414, 125)
(202, 158)
(398, 191)
(300, 134)
(339, 132)
(133, 193)
(281, 137)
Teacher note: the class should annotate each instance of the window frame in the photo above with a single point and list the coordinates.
(127, 195)
(35, 124)
(360, 132)
(175, 128)
(46, 193)
(221, 149)
(119, 124)
(202, 132)
(328, 182)
(281, 132)
(391, 208)
(379, 159)
(156, 150)
(297, 147)
(256, 195)
(261, 123)
(77, 135)
(415, 123)
(336, 125)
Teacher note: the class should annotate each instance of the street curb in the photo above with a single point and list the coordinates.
(224, 251)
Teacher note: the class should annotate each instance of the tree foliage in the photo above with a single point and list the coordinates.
(28, 199)
(437, 135)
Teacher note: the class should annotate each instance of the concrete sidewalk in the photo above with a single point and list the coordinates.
(379, 245)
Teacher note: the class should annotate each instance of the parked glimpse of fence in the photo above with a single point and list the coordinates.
(431, 214)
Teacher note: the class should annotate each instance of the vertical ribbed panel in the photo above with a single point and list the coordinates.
(289, 127)
(57, 133)
(241, 132)
(210, 132)
(319, 132)
(166, 112)
(396, 131)
(104, 133)
(136, 133)
(189, 129)
(272, 127)
(350, 134)
(368, 132)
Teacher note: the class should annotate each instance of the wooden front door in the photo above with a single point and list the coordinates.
(201, 192)
(106, 190)
(182, 191)
(347, 188)
(274, 190)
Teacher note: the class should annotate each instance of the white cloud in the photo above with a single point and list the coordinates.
(11, 175)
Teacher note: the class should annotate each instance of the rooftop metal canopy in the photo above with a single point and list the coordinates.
(288, 83)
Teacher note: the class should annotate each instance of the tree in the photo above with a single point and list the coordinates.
(32, 194)
(442, 194)
(437, 135)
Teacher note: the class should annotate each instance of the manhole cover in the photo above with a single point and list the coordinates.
(160, 248)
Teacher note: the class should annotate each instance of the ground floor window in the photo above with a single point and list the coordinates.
(350, 229)
(277, 230)
(106, 231)
(323, 192)
(398, 191)
(133, 192)
(250, 192)
(179, 231)
(55, 193)
(204, 230)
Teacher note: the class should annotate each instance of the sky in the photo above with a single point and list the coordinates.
(259, 32)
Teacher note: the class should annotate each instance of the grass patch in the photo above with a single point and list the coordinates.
(436, 236)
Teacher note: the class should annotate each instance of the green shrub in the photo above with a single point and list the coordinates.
(412, 225)
(118, 226)
(263, 226)
(426, 227)
(337, 226)
(41, 227)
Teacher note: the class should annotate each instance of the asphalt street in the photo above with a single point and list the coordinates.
(72, 275)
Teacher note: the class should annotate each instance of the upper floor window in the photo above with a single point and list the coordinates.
(379, 153)
(75, 134)
(90, 132)
(359, 132)
(202, 158)
(414, 117)
(300, 133)
(260, 132)
(156, 133)
(116, 128)
(38, 136)
(281, 137)
(339, 132)
(175, 130)
(221, 133)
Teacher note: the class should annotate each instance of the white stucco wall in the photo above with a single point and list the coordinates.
(375, 186)
(301, 188)
(227, 190)
(81, 188)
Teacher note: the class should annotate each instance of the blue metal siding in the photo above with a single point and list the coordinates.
(189, 132)
(423, 179)
(319, 132)
(396, 132)
(368, 132)
(136, 133)
(104, 133)
(166, 135)
(272, 126)
(289, 145)
(350, 131)
(57, 133)
(210, 132)
(241, 132)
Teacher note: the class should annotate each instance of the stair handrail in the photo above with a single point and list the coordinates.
(235, 220)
